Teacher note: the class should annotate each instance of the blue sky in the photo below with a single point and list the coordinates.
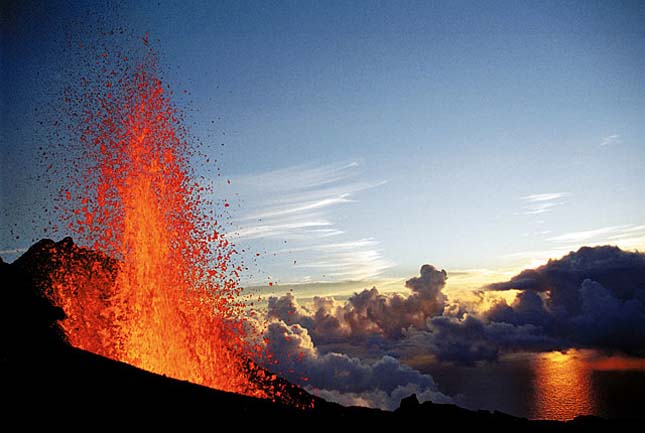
(363, 139)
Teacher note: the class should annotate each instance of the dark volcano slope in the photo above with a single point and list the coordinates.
(46, 382)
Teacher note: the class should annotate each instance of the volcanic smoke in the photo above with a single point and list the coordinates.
(170, 301)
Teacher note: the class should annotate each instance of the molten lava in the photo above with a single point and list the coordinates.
(169, 301)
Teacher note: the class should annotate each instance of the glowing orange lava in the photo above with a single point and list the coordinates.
(169, 301)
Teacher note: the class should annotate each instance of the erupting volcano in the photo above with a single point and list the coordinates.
(162, 291)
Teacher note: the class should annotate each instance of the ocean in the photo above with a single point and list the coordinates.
(549, 386)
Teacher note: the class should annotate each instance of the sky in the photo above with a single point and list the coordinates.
(435, 151)
(364, 139)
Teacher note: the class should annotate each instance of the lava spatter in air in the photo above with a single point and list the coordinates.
(170, 302)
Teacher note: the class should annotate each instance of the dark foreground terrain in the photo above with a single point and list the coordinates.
(46, 382)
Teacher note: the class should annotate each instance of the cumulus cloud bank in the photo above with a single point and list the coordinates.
(301, 338)
(368, 314)
(591, 298)
(594, 297)
(344, 379)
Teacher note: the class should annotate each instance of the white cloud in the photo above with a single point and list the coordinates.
(350, 245)
(611, 140)
(291, 230)
(299, 204)
(302, 177)
(626, 236)
(536, 204)
(300, 207)
(544, 197)
(599, 234)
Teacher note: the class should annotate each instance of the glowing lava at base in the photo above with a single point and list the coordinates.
(170, 300)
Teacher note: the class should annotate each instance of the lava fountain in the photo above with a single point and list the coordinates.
(169, 301)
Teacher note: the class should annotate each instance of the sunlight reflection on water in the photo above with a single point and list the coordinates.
(563, 382)
(562, 387)
(547, 386)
